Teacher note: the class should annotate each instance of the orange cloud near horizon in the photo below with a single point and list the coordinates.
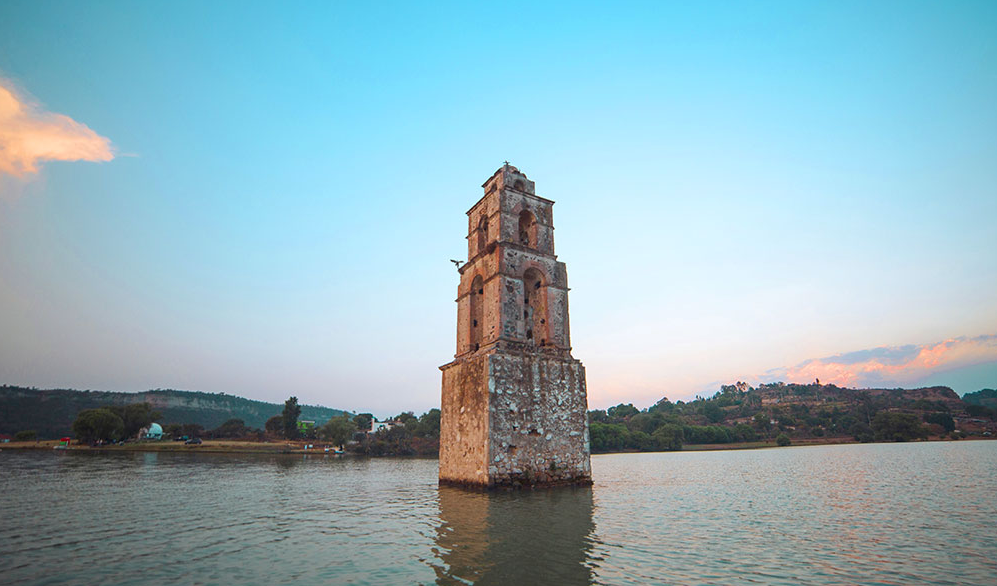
(896, 365)
(29, 136)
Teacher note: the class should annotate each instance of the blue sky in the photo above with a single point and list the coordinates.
(741, 189)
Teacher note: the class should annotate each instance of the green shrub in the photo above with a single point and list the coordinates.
(94, 425)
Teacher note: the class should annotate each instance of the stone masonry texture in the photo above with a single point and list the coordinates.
(514, 405)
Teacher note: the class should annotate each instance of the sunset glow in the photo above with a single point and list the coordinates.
(29, 136)
(895, 366)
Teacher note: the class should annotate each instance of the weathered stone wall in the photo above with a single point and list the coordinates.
(487, 207)
(514, 419)
(515, 263)
(512, 204)
(514, 400)
(487, 267)
(538, 421)
(507, 193)
(464, 422)
(557, 311)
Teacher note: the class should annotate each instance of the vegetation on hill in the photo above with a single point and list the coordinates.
(777, 412)
(981, 397)
(741, 413)
(982, 403)
(51, 412)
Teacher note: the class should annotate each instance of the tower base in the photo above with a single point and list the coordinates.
(514, 419)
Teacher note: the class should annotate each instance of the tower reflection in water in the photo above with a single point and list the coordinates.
(539, 537)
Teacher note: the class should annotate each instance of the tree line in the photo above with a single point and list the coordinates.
(780, 412)
(737, 413)
(410, 435)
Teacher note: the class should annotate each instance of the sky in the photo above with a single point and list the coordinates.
(262, 199)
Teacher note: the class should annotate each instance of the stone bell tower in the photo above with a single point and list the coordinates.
(514, 401)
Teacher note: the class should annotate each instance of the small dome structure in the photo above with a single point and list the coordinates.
(155, 432)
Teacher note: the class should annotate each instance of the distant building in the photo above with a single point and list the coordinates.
(376, 426)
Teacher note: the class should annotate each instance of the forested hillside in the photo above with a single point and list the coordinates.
(51, 412)
(741, 413)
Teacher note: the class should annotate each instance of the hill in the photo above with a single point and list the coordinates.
(741, 413)
(51, 412)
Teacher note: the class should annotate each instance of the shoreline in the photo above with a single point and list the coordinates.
(209, 446)
(759, 445)
(297, 448)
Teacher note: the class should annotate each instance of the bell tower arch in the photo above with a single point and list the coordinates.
(513, 375)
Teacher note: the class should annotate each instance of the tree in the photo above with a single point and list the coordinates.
(943, 419)
(782, 440)
(644, 422)
(664, 406)
(26, 435)
(405, 417)
(429, 424)
(861, 432)
(980, 411)
(363, 421)
(192, 430)
(713, 412)
(275, 425)
(897, 427)
(622, 411)
(230, 429)
(744, 433)
(94, 425)
(338, 430)
(608, 437)
(290, 418)
(762, 421)
(134, 417)
(395, 441)
(598, 416)
(669, 437)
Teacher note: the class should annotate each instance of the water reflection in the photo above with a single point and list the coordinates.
(541, 537)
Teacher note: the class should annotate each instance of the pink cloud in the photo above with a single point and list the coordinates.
(29, 136)
(891, 366)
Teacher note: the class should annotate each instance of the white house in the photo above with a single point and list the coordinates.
(376, 426)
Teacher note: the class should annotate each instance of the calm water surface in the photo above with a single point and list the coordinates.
(856, 514)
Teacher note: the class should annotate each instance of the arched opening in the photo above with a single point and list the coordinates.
(519, 185)
(535, 307)
(527, 228)
(477, 312)
(482, 233)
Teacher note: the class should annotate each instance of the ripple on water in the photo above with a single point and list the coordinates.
(886, 514)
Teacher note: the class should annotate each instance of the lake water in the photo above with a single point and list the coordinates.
(923, 513)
